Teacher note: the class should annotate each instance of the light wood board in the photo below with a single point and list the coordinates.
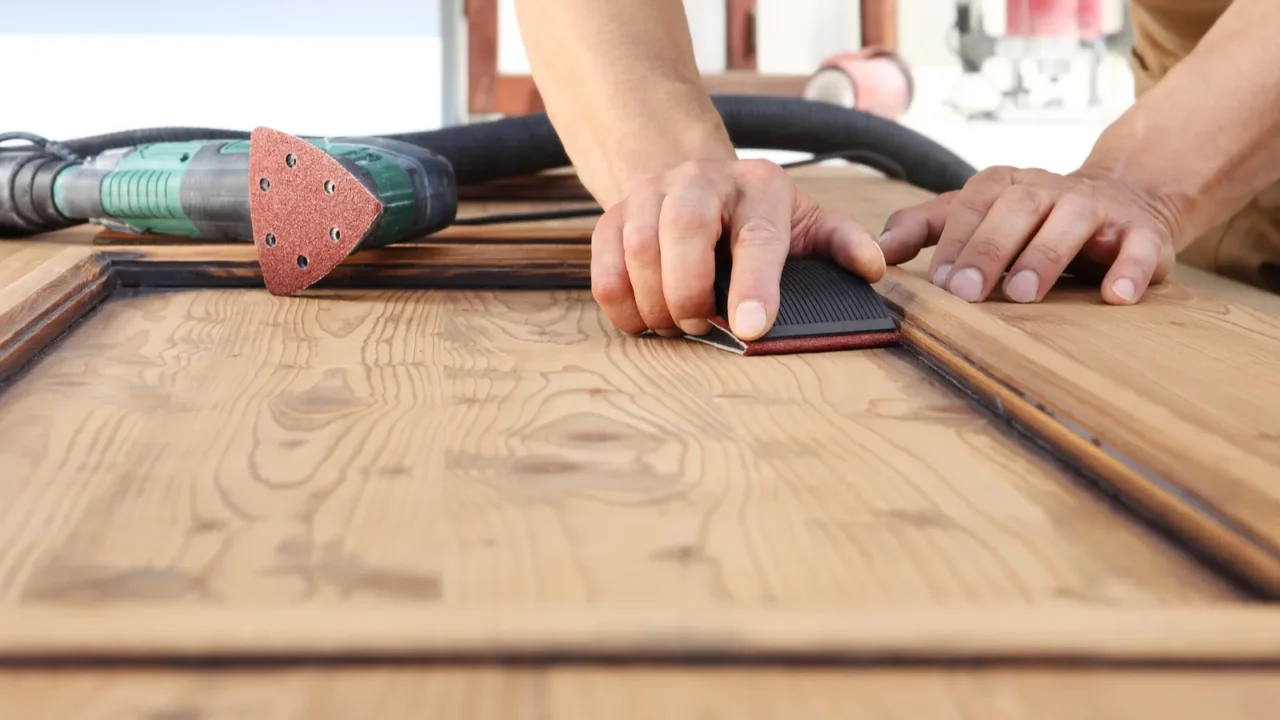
(221, 446)
(642, 694)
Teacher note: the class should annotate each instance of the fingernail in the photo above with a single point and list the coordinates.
(884, 237)
(1023, 287)
(940, 276)
(749, 320)
(1125, 288)
(695, 327)
(967, 285)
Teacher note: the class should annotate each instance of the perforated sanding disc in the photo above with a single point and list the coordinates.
(308, 211)
(822, 307)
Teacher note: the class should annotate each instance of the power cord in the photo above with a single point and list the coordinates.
(52, 146)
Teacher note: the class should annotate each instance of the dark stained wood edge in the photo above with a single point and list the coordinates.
(1209, 534)
(1232, 635)
(31, 327)
(1209, 531)
(488, 265)
(482, 54)
(879, 23)
(740, 45)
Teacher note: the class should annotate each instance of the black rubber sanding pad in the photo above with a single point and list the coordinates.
(822, 307)
(308, 211)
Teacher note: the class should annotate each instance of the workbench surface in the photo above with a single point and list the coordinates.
(373, 499)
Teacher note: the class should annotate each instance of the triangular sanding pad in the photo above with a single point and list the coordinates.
(308, 211)
(822, 307)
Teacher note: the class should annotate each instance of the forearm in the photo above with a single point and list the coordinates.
(1206, 138)
(621, 86)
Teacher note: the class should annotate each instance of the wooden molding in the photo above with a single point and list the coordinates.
(938, 635)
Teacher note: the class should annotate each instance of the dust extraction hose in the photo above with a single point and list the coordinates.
(528, 144)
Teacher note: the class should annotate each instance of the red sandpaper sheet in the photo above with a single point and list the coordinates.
(308, 211)
(723, 338)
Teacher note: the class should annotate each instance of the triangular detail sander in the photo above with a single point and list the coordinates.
(822, 307)
(312, 203)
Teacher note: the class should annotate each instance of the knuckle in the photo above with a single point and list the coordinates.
(609, 288)
(758, 232)
(689, 215)
(971, 203)
(1025, 199)
(995, 175)
(985, 251)
(639, 240)
(1034, 176)
(656, 316)
(691, 169)
(760, 171)
(1045, 255)
(686, 303)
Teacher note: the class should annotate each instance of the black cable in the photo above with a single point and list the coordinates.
(52, 146)
(863, 157)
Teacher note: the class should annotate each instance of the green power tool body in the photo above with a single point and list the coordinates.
(305, 203)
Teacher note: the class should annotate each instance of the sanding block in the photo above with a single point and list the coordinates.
(822, 307)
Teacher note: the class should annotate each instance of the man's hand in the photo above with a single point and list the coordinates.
(653, 253)
(1034, 223)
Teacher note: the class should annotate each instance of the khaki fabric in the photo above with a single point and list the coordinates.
(1247, 246)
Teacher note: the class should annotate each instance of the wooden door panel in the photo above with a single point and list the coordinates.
(446, 448)
(468, 447)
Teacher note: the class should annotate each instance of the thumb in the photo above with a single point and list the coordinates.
(911, 229)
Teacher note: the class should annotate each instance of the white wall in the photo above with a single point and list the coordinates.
(303, 66)
(793, 35)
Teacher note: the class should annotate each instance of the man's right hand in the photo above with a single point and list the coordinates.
(653, 254)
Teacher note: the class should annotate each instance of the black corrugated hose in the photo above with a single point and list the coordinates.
(528, 144)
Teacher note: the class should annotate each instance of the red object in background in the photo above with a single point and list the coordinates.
(1053, 18)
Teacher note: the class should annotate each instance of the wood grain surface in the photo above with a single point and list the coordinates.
(1175, 396)
(917, 632)
(641, 694)
(44, 289)
(214, 447)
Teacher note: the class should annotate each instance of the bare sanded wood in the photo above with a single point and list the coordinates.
(363, 631)
(642, 694)
(206, 447)
(1176, 396)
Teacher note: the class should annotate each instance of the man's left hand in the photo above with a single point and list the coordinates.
(1033, 223)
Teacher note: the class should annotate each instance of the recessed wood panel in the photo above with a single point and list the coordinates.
(216, 446)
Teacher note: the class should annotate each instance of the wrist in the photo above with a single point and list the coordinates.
(1156, 177)
(648, 145)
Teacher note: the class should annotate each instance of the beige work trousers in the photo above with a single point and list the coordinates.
(1247, 246)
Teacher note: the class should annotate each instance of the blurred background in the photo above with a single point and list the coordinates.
(1020, 82)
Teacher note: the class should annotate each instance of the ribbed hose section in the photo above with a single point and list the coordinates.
(528, 144)
(524, 145)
